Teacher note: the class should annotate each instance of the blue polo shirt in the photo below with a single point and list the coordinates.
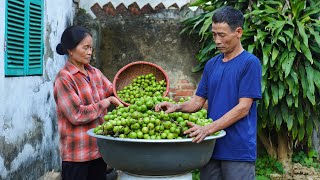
(222, 84)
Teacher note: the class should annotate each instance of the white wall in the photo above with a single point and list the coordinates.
(86, 4)
(3, 171)
(27, 103)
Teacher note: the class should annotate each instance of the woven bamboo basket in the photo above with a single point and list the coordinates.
(130, 71)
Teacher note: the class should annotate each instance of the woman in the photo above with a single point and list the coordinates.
(82, 95)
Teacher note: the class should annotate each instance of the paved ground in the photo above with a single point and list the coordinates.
(56, 176)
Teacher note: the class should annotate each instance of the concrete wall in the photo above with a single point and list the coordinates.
(133, 33)
(28, 128)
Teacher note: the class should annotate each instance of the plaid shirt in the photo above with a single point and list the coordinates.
(79, 108)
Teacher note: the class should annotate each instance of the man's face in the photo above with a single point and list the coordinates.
(226, 40)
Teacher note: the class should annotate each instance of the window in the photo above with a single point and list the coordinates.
(23, 37)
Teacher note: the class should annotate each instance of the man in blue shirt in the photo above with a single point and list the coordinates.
(231, 82)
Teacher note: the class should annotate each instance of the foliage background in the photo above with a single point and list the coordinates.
(284, 35)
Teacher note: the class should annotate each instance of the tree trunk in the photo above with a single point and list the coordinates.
(267, 143)
(284, 150)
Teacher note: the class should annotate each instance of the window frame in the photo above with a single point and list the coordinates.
(24, 38)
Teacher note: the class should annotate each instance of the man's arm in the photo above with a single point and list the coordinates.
(235, 114)
(193, 105)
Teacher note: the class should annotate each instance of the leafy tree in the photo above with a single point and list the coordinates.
(284, 34)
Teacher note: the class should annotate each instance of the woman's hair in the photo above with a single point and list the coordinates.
(70, 38)
(233, 17)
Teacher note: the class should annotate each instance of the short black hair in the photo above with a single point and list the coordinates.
(233, 17)
(71, 37)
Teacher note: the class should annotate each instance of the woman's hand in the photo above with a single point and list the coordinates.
(114, 100)
(111, 99)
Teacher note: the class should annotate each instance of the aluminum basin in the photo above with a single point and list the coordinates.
(155, 157)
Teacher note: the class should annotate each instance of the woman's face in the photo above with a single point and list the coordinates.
(82, 53)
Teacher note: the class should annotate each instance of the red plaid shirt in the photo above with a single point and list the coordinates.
(79, 108)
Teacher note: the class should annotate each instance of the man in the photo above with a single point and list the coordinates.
(231, 82)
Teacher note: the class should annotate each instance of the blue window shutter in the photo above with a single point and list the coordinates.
(15, 38)
(24, 37)
(35, 31)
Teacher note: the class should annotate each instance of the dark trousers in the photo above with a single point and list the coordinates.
(90, 170)
(228, 170)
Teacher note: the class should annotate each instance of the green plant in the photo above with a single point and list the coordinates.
(284, 34)
(82, 11)
(263, 177)
(196, 174)
(310, 160)
(266, 165)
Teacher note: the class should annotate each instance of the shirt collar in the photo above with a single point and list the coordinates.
(73, 69)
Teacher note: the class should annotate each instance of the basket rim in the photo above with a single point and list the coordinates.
(116, 77)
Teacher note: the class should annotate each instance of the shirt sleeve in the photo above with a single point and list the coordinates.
(202, 89)
(70, 105)
(250, 83)
(107, 85)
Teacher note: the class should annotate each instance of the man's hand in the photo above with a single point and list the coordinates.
(198, 132)
(168, 107)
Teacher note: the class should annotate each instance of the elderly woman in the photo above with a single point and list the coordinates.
(82, 95)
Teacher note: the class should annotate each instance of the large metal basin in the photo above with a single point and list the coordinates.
(155, 157)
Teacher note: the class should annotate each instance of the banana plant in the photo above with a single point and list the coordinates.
(284, 34)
